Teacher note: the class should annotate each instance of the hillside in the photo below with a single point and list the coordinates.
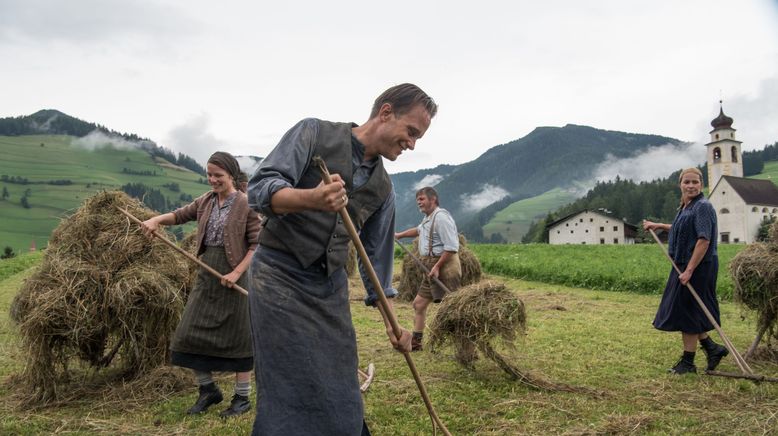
(545, 159)
(57, 175)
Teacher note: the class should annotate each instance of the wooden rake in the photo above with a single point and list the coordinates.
(367, 375)
(383, 303)
(746, 371)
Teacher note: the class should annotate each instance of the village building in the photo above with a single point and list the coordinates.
(593, 227)
(741, 204)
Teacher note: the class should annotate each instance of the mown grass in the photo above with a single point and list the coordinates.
(597, 339)
(640, 268)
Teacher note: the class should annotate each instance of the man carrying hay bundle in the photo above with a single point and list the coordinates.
(438, 247)
(301, 319)
(214, 333)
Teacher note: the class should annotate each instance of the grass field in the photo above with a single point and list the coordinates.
(640, 268)
(588, 338)
(514, 221)
(769, 172)
(89, 171)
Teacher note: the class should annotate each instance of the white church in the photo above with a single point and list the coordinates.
(741, 204)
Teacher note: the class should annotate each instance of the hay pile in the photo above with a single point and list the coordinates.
(754, 271)
(474, 317)
(412, 274)
(189, 243)
(102, 291)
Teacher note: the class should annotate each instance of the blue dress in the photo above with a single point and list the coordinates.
(678, 310)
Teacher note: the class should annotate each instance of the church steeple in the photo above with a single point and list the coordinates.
(724, 157)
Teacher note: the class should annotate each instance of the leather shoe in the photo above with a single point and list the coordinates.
(683, 367)
(238, 406)
(715, 355)
(209, 394)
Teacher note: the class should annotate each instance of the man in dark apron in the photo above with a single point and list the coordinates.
(304, 340)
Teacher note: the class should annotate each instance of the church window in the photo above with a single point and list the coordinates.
(716, 154)
(717, 136)
(734, 154)
(754, 209)
(724, 210)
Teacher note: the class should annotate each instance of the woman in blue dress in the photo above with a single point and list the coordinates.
(692, 245)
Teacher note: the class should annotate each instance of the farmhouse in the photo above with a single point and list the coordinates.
(741, 204)
(591, 227)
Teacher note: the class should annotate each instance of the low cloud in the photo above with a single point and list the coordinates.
(428, 180)
(486, 196)
(657, 162)
(97, 139)
(194, 139)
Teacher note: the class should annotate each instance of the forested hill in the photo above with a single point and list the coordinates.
(655, 200)
(54, 122)
(547, 158)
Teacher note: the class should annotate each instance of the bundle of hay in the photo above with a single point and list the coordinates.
(474, 317)
(103, 291)
(754, 271)
(413, 275)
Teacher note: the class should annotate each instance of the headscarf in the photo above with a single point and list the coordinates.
(225, 161)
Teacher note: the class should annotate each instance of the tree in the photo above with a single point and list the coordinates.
(5, 193)
(763, 235)
(7, 253)
(25, 204)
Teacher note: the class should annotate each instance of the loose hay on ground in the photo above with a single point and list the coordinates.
(102, 291)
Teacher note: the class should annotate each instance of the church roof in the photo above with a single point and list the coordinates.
(722, 121)
(754, 191)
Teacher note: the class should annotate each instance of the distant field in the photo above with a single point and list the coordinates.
(514, 221)
(640, 268)
(769, 172)
(45, 158)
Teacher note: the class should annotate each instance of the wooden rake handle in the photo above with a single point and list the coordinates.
(741, 363)
(382, 301)
(184, 252)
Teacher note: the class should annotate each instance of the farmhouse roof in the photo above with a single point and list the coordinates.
(753, 191)
(629, 228)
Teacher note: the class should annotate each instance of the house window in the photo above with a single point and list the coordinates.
(567, 224)
(581, 219)
(764, 209)
(571, 232)
(754, 209)
(615, 228)
(557, 232)
(775, 210)
(583, 243)
(615, 240)
(591, 220)
(725, 238)
(602, 240)
(587, 230)
(602, 229)
(724, 210)
(736, 240)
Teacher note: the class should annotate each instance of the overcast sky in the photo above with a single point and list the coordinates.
(197, 76)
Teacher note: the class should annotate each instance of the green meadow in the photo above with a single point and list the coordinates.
(589, 338)
(45, 158)
(514, 221)
(638, 268)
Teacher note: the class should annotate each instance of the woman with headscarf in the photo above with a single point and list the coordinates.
(692, 245)
(214, 333)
